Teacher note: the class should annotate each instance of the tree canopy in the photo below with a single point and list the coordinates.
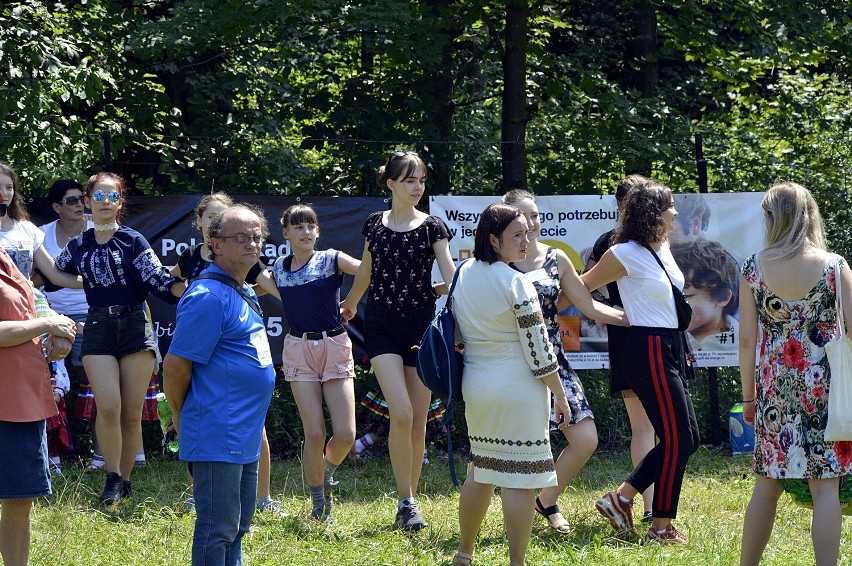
(309, 96)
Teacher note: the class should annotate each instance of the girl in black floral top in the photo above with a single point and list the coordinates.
(396, 269)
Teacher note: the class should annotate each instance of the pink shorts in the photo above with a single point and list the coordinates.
(318, 360)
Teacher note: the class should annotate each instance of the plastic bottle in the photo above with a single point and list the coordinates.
(165, 412)
(42, 309)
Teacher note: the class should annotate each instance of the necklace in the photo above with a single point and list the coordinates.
(65, 236)
(106, 227)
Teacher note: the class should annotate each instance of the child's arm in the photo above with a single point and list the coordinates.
(349, 306)
(348, 264)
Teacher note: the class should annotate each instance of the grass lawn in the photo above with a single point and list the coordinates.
(152, 529)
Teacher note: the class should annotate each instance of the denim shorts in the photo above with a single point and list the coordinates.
(395, 332)
(321, 360)
(23, 460)
(126, 331)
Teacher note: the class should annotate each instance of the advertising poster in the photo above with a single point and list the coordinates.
(714, 234)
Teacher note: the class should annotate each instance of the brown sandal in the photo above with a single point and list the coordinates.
(554, 518)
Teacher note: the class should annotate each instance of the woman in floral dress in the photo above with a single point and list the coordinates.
(788, 292)
(550, 270)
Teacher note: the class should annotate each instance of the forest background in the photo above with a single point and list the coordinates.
(307, 97)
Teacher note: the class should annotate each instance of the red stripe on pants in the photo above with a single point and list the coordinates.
(664, 399)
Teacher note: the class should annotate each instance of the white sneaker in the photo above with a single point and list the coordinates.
(271, 506)
(96, 464)
(55, 466)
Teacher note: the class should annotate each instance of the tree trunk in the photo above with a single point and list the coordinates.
(515, 113)
(641, 67)
(440, 85)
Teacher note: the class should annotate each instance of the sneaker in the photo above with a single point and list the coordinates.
(408, 518)
(647, 517)
(189, 504)
(140, 462)
(618, 512)
(55, 465)
(271, 506)
(670, 535)
(112, 489)
(96, 464)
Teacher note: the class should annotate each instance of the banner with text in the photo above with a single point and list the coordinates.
(715, 233)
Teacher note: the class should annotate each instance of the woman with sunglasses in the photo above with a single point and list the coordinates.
(396, 268)
(66, 198)
(119, 271)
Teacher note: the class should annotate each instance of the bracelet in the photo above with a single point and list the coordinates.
(749, 400)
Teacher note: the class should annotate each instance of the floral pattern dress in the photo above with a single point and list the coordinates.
(793, 380)
(401, 275)
(548, 292)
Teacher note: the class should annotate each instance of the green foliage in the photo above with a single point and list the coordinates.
(307, 97)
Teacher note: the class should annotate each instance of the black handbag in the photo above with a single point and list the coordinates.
(682, 308)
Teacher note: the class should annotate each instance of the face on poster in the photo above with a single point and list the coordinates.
(715, 232)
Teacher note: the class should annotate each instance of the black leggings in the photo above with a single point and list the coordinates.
(656, 361)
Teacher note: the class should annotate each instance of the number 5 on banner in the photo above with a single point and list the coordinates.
(273, 326)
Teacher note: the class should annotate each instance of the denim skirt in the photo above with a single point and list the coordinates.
(23, 460)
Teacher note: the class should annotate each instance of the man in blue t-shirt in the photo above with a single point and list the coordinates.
(218, 378)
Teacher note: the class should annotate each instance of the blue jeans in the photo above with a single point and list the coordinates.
(225, 496)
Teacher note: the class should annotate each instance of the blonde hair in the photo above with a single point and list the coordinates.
(792, 221)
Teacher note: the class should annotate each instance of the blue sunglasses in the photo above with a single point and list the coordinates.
(100, 196)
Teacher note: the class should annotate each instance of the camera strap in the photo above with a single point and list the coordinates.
(229, 281)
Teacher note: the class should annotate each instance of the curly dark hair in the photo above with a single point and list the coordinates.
(642, 220)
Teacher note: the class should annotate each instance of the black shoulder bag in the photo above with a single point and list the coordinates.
(684, 316)
(682, 308)
(229, 281)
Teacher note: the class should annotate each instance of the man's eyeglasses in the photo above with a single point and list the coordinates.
(245, 238)
(100, 196)
(71, 201)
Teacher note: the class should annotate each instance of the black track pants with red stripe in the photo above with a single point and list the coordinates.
(653, 361)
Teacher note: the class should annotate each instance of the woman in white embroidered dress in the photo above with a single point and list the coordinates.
(509, 367)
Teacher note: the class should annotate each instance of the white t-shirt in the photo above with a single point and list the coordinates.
(645, 290)
(64, 301)
(21, 243)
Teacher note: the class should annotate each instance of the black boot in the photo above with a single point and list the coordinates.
(112, 489)
(126, 489)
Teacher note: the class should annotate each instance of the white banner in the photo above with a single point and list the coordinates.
(716, 231)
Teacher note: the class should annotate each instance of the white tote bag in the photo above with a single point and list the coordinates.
(839, 352)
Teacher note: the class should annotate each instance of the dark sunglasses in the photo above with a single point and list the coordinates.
(100, 196)
(71, 200)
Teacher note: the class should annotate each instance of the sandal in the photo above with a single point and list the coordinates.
(462, 558)
(554, 518)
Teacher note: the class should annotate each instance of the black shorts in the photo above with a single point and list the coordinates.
(395, 332)
(123, 332)
(616, 338)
